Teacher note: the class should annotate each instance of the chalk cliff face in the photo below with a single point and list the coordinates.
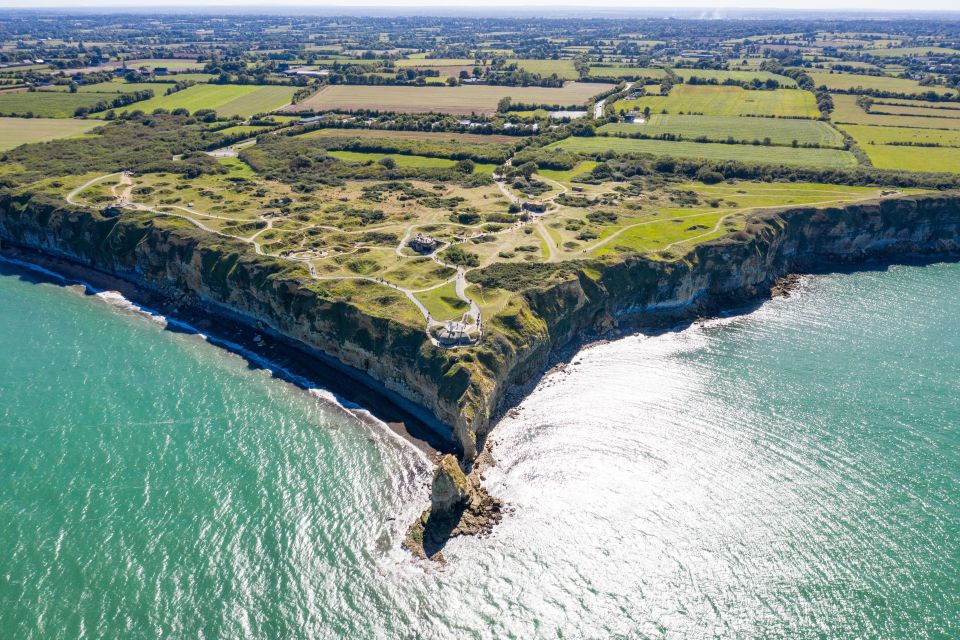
(739, 267)
(459, 391)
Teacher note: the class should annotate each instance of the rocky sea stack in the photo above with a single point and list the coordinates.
(459, 505)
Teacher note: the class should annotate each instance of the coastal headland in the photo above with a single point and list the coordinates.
(457, 394)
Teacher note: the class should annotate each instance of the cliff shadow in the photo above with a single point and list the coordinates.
(260, 349)
(653, 324)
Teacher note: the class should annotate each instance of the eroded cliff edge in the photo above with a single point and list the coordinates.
(458, 391)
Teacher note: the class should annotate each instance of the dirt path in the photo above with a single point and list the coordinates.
(470, 320)
(552, 248)
(715, 228)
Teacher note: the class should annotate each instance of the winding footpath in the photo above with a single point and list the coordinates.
(468, 329)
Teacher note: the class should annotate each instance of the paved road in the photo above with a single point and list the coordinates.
(598, 108)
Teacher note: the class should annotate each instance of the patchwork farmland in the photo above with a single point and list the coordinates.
(908, 148)
(850, 81)
(847, 111)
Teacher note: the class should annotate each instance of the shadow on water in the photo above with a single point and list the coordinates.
(261, 350)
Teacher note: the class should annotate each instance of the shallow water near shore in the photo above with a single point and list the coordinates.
(793, 472)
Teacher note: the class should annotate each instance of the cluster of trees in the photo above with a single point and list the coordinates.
(305, 165)
(805, 82)
(929, 96)
(121, 100)
(483, 153)
(480, 125)
(141, 143)
(676, 137)
(628, 166)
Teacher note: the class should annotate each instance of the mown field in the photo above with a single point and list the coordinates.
(881, 103)
(847, 111)
(225, 99)
(48, 104)
(711, 151)
(867, 134)
(780, 131)
(17, 131)
(923, 112)
(563, 68)
(926, 159)
(848, 81)
(625, 71)
(462, 100)
(727, 101)
(242, 128)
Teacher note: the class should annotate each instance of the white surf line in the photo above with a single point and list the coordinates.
(117, 299)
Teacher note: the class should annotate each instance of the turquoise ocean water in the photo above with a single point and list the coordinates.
(789, 473)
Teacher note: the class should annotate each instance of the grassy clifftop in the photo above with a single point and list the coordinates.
(549, 307)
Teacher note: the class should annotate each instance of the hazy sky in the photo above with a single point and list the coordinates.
(545, 5)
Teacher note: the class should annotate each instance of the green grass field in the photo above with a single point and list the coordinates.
(780, 131)
(17, 131)
(923, 112)
(625, 71)
(225, 99)
(741, 152)
(434, 62)
(846, 111)
(911, 51)
(675, 229)
(848, 81)
(866, 134)
(880, 104)
(112, 87)
(443, 302)
(727, 101)
(462, 100)
(566, 177)
(563, 68)
(242, 128)
(927, 159)
(49, 104)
